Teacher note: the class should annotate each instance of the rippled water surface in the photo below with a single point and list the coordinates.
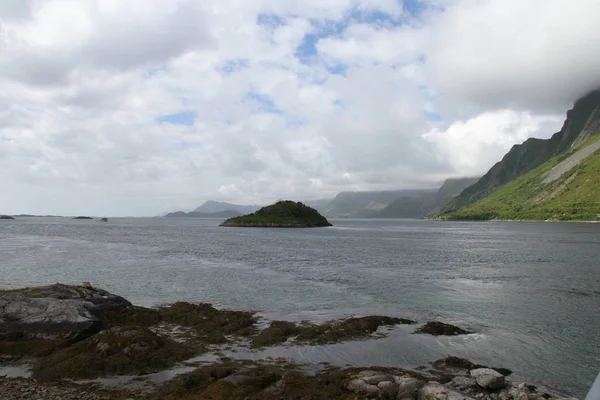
(530, 290)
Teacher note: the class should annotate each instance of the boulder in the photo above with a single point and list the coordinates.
(488, 378)
(376, 379)
(463, 383)
(389, 390)
(361, 387)
(408, 386)
(55, 308)
(436, 391)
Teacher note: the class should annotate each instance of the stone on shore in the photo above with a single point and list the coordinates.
(437, 391)
(488, 378)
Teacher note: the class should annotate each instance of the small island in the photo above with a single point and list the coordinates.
(6, 217)
(283, 214)
(82, 217)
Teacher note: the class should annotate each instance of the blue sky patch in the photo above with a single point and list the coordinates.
(271, 21)
(186, 118)
(264, 102)
(231, 66)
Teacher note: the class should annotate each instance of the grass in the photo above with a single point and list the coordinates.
(575, 196)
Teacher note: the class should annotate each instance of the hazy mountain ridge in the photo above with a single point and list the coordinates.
(426, 203)
(366, 204)
(212, 206)
(194, 214)
(582, 122)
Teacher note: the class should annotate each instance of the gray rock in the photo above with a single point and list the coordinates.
(408, 386)
(361, 387)
(488, 378)
(376, 379)
(435, 391)
(55, 308)
(389, 390)
(463, 383)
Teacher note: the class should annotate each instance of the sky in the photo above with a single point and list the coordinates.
(136, 107)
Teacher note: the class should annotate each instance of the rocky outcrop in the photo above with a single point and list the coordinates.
(6, 217)
(436, 328)
(55, 308)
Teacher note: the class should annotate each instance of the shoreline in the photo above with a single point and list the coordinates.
(186, 341)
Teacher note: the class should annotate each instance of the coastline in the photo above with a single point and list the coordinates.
(195, 335)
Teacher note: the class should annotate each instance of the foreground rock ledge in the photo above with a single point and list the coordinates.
(82, 332)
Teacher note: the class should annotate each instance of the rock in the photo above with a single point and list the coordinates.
(408, 386)
(87, 285)
(440, 328)
(361, 387)
(389, 390)
(376, 379)
(435, 391)
(463, 383)
(55, 308)
(488, 378)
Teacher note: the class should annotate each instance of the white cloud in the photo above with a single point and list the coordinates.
(475, 145)
(535, 54)
(85, 85)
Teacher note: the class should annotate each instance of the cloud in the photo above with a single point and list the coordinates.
(538, 55)
(134, 108)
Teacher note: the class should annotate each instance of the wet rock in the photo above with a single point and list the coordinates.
(361, 387)
(463, 383)
(376, 379)
(436, 391)
(439, 328)
(408, 386)
(55, 308)
(488, 378)
(389, 390)
(116, 351)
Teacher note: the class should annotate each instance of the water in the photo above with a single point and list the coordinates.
(530, 290)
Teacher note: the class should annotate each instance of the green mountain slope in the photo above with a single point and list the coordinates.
(565, 188)
(582, 122)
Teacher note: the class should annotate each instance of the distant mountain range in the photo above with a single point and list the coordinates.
(427, 202)
(194, 214)
(556, 179)
(212, 206)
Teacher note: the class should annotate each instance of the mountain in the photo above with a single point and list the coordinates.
(212, 206)
(283, 214)
(365, 204)
(555, 178)
(565, 188)
(318, 204)
(194, 214)
(427, 202)
(583, 121)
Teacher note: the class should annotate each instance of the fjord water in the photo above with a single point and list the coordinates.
(531, 291)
